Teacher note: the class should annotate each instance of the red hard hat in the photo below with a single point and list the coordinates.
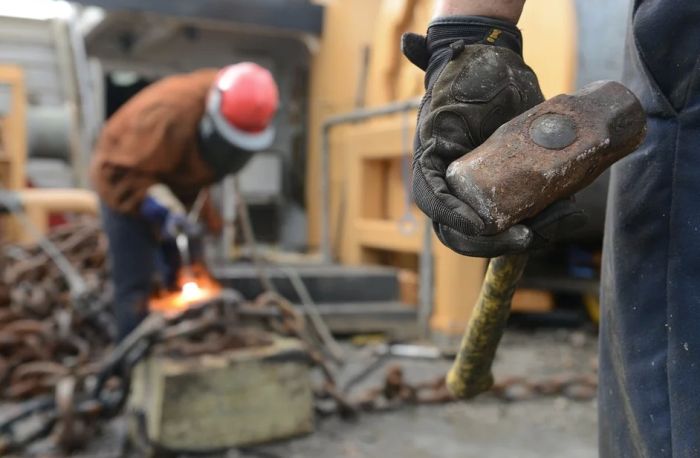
(242, 103)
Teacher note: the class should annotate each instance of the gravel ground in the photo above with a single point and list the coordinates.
(485, 427)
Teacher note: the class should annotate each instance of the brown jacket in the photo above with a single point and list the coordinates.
(153, 139)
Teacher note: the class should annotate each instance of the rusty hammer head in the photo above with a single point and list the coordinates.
(548, 153)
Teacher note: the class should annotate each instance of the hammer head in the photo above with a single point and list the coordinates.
(548, 153)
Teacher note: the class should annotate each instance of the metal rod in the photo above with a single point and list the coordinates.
(249, 240)
(425, 280)
(328, 124)
(229, 212)
(196, 210)
(314, 314)
(183, 247)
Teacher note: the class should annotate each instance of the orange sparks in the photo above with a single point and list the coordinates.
(195, 286)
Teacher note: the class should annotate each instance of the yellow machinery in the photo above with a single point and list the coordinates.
(370, 219)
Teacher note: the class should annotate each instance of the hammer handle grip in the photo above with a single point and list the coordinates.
(471, 371)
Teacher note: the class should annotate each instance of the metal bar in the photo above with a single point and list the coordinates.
(360, 115)
(228, 211)
(425, 280)
(68, 75)
(196, 210)
(328, 124)
(311, 311)
(392, 318)
(85, 92)
(295, 16)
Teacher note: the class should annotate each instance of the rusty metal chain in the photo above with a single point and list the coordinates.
(48, 341)
(292, 324)
(86, 393)
(44, 335)
(396, 391)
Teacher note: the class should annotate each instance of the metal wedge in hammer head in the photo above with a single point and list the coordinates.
(548, 153)
(544, 155)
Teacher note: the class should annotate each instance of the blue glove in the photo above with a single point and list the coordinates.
(153, 211)
(168, 223)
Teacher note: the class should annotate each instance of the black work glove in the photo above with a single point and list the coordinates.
(475, 81)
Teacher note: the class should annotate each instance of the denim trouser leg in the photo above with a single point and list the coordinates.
(132, 254)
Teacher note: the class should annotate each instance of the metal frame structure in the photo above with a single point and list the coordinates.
(425, 268)
(328, 124)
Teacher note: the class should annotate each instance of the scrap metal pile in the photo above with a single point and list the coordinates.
(43, 335)
(59, 367)
(57, 354)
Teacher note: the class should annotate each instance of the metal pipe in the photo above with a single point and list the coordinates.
(229, 213)
(328, 124)
(313, 314)
(425, 281)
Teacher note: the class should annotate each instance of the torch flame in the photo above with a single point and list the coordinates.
(191, 291)
(196, 285)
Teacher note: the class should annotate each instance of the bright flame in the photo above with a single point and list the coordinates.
(196, 285)
(191, 291)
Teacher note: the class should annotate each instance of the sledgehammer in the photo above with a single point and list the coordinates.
(544, 155)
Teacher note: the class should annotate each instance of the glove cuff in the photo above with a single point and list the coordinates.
(153, 211)
(159, 203)
(165, 197)
(444, 31)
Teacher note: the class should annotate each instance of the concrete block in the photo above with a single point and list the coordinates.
(211, 402)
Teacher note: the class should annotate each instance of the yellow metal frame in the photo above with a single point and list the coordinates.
(374, 203)
(37, 203)
(366, 188)
(13, 130)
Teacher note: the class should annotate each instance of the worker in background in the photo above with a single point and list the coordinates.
(154, 157)
(649, 339)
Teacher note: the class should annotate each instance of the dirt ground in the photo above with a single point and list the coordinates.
(486, 427)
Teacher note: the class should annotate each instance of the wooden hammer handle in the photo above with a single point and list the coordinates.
(471, 371)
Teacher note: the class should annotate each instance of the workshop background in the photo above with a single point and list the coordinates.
(320, 227)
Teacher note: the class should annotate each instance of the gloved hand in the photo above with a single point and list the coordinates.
(475, 81)
(176, 223)
(165, 213)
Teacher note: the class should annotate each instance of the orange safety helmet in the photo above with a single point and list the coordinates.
(242, 103)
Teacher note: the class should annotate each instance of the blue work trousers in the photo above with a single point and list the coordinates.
(138, 263)
(649, 392)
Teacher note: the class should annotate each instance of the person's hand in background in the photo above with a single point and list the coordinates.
(165, 213)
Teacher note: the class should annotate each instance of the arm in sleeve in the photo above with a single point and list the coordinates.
(143, 150)
(507, 10)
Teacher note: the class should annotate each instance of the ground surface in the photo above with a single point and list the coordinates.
(487, 427)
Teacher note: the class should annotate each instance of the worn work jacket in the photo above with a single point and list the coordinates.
(153, 139)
